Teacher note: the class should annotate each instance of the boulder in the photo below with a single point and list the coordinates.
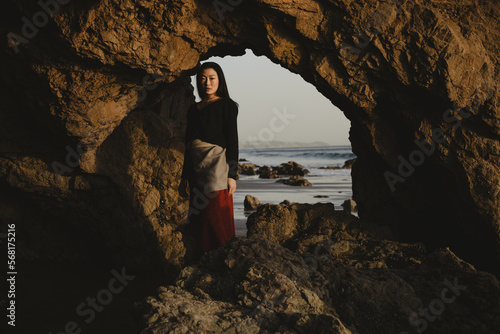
(263, 169)
(246, 168)
(350, 206)
(251, 202)
(249, 286)
(330, 167)
(266, 172)
(296, 181)
(286, 202)
(340, 275)
(291, 168)
(349, 163)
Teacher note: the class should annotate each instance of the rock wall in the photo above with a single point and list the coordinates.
(107, 79)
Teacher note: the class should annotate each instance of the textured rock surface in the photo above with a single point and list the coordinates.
(350, 206)
(349, 163)
(265, 172)
(291, 168)
(301, 227)
(343, 277)
(246, 168)
(253, 283)
(296, 181)
(251, 202)
(394, 68)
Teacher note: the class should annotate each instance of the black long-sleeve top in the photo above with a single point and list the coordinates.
(216, 123)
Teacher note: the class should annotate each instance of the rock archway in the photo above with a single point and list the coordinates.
(95, 100)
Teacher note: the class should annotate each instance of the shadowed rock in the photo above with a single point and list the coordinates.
(266, 172)
(291, 168)
(338, 275)
(250, 285)
(350, 206)
(247, 168)
(349, 163)
(296, 181)
(251, 202)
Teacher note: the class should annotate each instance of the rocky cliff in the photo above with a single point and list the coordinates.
(94, 101)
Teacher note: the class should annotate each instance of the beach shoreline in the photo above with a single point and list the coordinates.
(335, 184)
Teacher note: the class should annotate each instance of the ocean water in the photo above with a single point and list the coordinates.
(335, 184)
(309, 157)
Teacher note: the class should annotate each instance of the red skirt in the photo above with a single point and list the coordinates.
(211, 218)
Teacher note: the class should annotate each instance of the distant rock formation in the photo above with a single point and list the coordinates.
(247, 168)
(347, 165)
(296, 181)
(291, 168)
(266, 172)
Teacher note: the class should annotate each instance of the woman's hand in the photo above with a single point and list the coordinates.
(183, 192)
(231, 185)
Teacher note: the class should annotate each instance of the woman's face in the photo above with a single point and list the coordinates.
(209, 81)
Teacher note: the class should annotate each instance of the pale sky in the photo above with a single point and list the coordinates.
(265, 90)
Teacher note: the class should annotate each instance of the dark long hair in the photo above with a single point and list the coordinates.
(222, 91)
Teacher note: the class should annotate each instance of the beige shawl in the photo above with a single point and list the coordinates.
(209, 165)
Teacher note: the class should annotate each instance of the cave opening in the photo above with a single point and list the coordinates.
(383, 127)
(283, 118)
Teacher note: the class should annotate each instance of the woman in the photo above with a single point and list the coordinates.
(211, 160)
